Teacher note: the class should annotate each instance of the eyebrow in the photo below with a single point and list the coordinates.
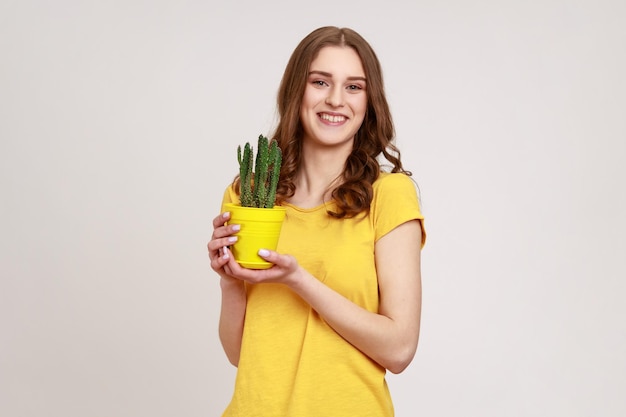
(329, 75)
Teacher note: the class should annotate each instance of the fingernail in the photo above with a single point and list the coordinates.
(226, 214)
(232, 239)
(236, 227)
(264, 252)
(226, 255)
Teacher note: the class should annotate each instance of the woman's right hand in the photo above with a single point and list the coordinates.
(222, 237)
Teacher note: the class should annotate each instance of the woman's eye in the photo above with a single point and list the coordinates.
(354, 87)
(319, 83)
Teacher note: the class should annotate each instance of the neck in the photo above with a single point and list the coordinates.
(321, 171)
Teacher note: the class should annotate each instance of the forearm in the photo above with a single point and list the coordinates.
(232, 316)
(388, 341)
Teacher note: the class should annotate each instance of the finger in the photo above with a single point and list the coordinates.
(223, 231)
(230, 263)
(219, 228)
(283, 261)
(270, 256)
(234, 269)
(215, 245)
(221, 219)
(221, 258)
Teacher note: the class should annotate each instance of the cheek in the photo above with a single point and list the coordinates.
(306, 109)
(362, 109)
(360, 105)
(364, 102)
(310, 97)
(304, 104)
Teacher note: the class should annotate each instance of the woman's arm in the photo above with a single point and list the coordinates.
(232, 315)
(234, 298)
(390, 336)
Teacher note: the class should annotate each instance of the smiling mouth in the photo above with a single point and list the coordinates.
(332, 118)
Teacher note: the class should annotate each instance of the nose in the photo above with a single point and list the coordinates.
(335, 96)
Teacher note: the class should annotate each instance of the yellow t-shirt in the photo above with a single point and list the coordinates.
(292, 363)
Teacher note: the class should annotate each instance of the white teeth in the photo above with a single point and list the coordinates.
(333, 119)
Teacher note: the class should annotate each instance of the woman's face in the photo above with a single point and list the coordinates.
(335, 98)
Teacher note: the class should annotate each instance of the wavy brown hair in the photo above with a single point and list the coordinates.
(374, 138)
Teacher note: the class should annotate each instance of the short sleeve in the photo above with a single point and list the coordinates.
(230, 196)
(395, 202)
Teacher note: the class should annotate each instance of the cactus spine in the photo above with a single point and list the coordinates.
(258, 188)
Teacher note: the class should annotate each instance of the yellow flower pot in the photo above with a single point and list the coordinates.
(260, 229)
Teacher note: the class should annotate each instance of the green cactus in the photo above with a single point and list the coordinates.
(245, 174)
(258, 188)
(276, 159)
(261, 172)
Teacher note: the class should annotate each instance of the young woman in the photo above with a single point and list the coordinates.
(315, 334)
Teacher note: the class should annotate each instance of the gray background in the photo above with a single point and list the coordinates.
(118, 126)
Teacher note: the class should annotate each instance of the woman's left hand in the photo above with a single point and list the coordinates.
(285, 270)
